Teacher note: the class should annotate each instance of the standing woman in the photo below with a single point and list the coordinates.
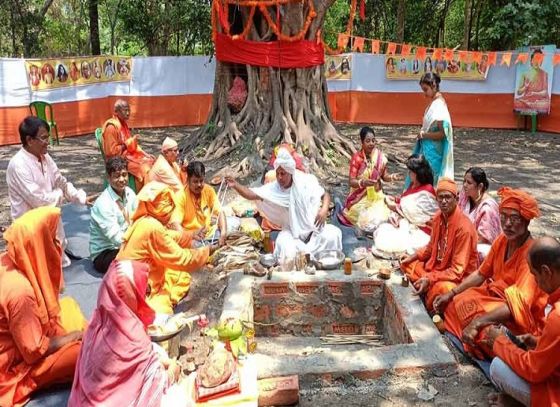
(435, 140)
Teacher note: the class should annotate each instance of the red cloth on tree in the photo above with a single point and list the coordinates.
(277, 54)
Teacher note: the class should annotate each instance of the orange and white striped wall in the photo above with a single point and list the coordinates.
(177, 91)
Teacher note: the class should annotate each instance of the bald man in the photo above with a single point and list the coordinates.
(166, 168)
(118, 141)
(532, 376)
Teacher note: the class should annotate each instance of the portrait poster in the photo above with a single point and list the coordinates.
(338, 67)
(533, 80)
(399, 67)
(46, 74)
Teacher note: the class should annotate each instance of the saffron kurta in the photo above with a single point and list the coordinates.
(540, 366)
(449, 256)
(195, 213)
(169, 174)
(30, 312)
(170, 258)
(507, 282)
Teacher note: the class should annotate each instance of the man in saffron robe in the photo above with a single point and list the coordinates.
(451, 253)
(166, 169)
(503, 289)
(167, 251)
(117, 140)
(40, 336)
(532, 376)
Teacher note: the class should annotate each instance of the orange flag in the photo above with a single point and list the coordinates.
(538, 57)
(463, 56)
(375, 46)
(420, 52)
(343, 40)
(506, 58)
(437, 54)
(556, 59)
(448, 55)
(391, 48)
(405, 50)
(492, 58)
(358, 44)
(477, 57)
(522, 58)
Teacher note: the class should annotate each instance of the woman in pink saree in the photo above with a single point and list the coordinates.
(365, 205)
(481, 208)
(118, 365)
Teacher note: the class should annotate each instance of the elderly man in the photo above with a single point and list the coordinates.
(117, 140)
(451, 253)
(166, 169)
(298, 204)
(111, 215)
(502, 290)
(532, 376)
(198, 206)
(40, 335)
(34, 179)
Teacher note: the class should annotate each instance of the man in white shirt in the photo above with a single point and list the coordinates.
(33, 178)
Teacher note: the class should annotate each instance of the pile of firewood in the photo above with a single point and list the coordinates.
(239, 250)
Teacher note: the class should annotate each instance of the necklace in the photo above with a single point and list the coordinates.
(442, 243)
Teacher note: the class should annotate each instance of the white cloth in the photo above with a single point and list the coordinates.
(437, 111)
(287, 246)
(33, 183)
(406, 237)
(419, 208)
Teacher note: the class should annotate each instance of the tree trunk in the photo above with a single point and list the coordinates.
(94, 27)
(468, 24)
(401, 16)
(282, 105)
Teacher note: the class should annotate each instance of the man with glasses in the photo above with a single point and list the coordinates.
(34, 179)
(118, 140)
(451, 253)
(502, 290)
(166, 169)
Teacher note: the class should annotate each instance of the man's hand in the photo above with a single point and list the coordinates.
(441, 301)
(529, 340)
(173, 369)
(420, 286)
(471, 332)
(321, 217)
(405, 259)
(200, 234)
(369, 182)
(212, 248)
(231, 182)
(90, 199)
(491, 333)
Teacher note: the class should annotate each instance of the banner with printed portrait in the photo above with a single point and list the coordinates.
(338, 67)
(533, 80)
(399, 67)
(46, 74)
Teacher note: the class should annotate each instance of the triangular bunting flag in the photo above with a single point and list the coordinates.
(463, 56)
(538, 57)
(506, 59)
(448, 55)
(391, 48)
(522, 58)
(405, 50)
(492, 58)
(358, 44)
(375, 46)
(342, 40)
(477, 57)
(437, 54)
(555, 59)
(421, 53)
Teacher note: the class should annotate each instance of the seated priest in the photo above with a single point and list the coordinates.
(298, 204)
(451, 253)
(166, 169)
(40, 335)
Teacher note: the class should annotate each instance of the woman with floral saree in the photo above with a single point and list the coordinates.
(365, 206)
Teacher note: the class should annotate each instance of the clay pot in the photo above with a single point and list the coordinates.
(385, 274)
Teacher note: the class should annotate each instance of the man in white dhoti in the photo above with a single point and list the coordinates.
(297, 203)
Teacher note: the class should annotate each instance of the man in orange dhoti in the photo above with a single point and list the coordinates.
(40, 336)
(166, 169)
(451, 253)
(117, 140)
(502, 290)
(167, 251)
(532, 376)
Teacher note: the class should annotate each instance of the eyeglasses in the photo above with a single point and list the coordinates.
(44, 139)
(513, 219)
(447, 198)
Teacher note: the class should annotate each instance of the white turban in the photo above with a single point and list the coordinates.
(285, 160)
(168, 144)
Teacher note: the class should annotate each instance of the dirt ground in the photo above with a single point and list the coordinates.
(513, 158)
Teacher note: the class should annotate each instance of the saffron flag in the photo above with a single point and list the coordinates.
(342, 40)
(405, 50)
(358, 44)
(437, 54)
(506, 59)
(421, 53)
(391, 48)
(492, 58)
(522, 58)
(375, 46)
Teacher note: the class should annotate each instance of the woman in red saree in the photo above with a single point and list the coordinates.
(365, 205)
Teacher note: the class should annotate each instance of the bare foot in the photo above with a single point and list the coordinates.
(502, 400)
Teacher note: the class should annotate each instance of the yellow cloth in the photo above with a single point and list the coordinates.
(194, 214)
